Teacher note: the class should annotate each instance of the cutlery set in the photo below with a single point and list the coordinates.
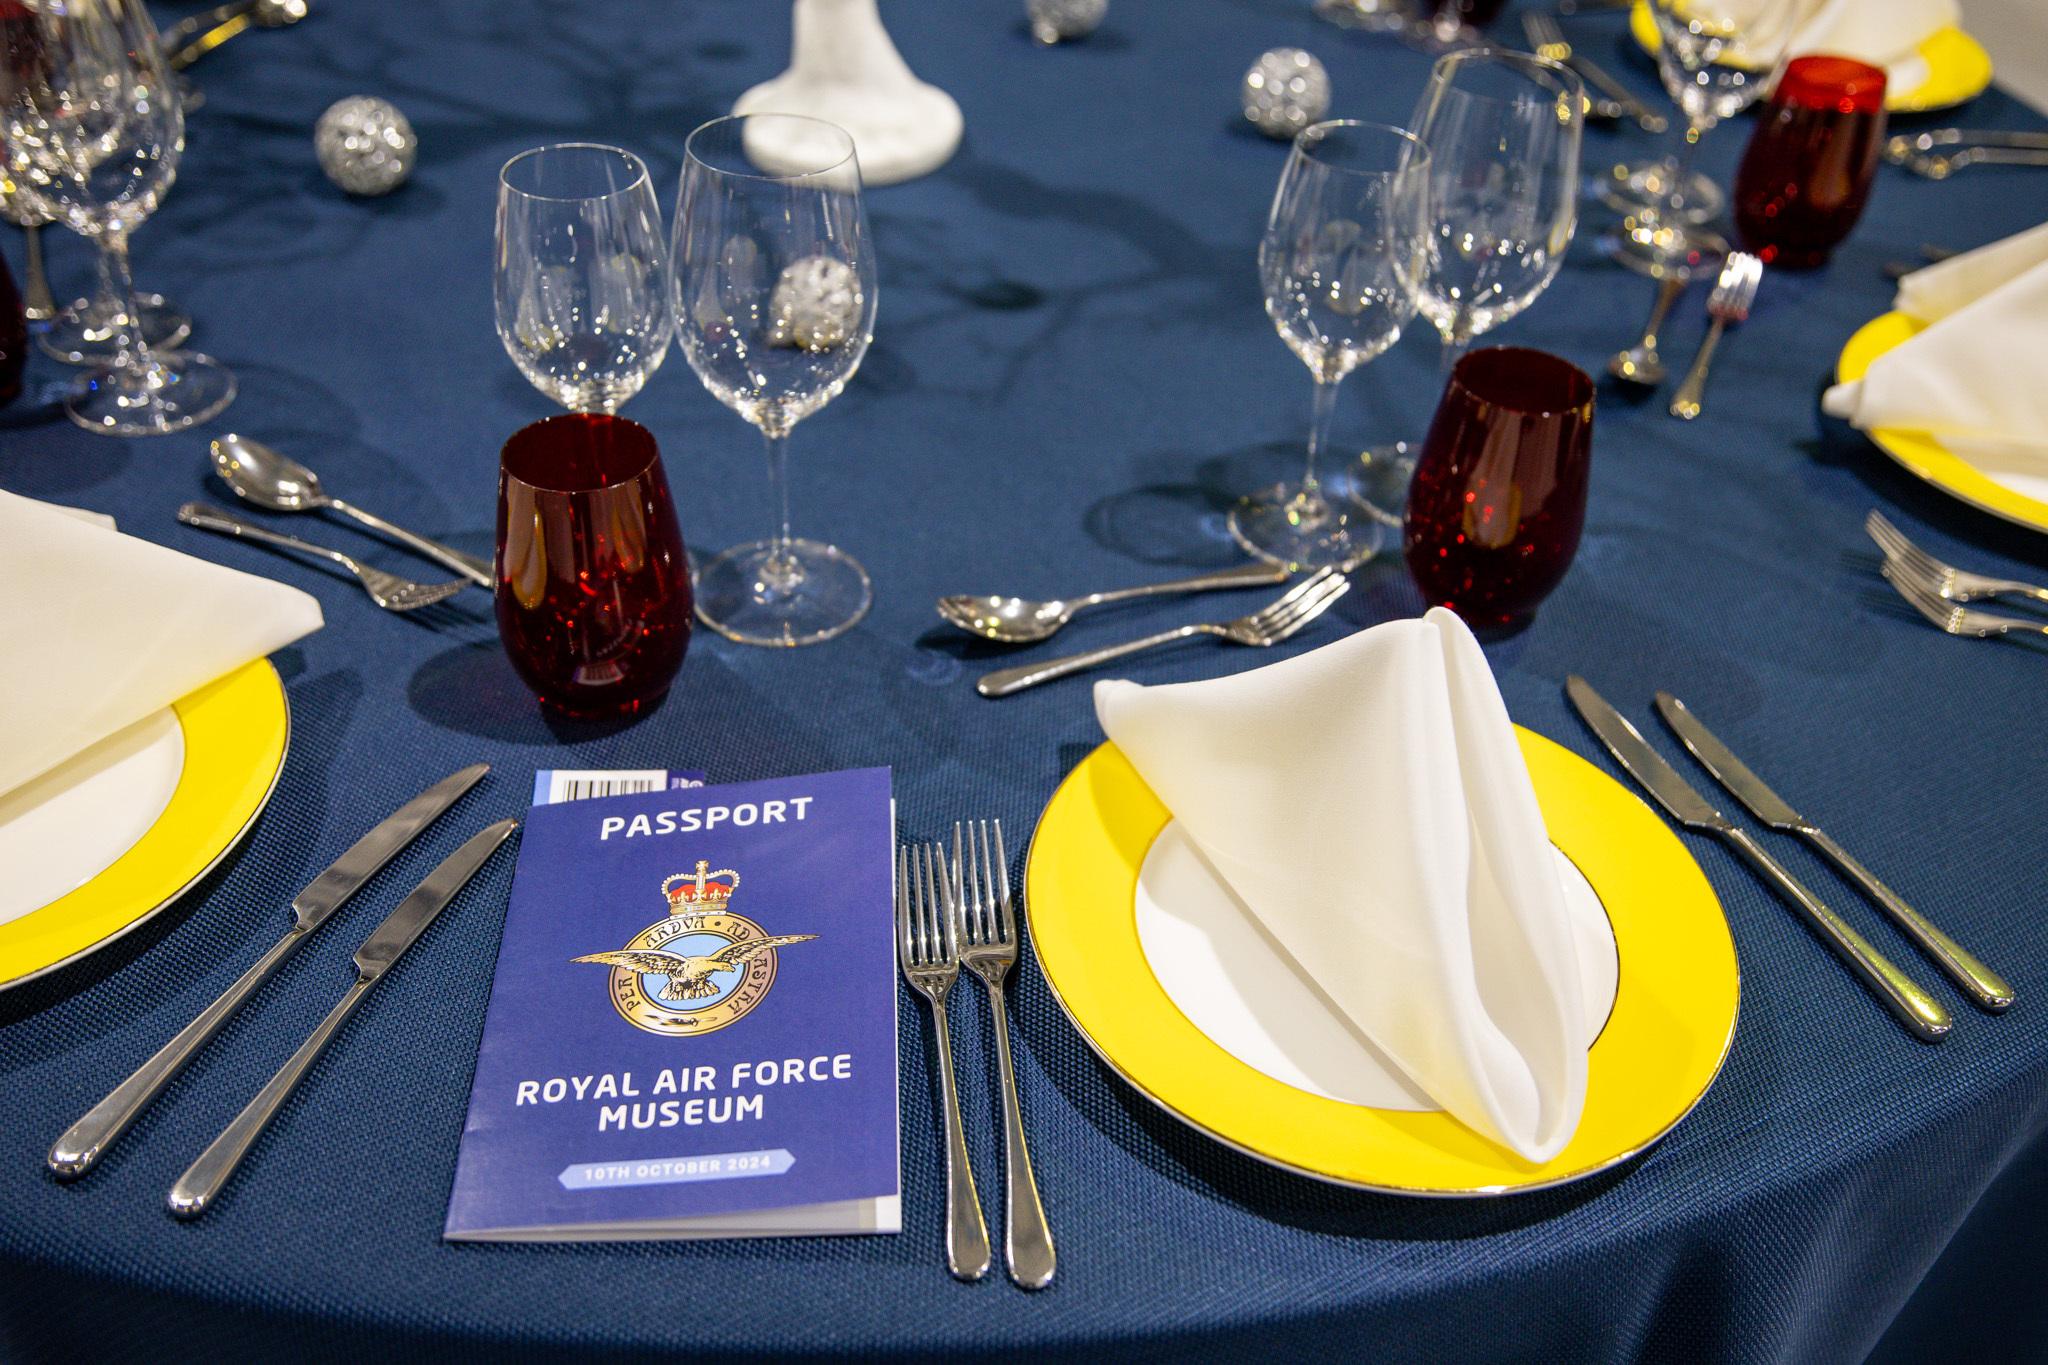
(1938, 153)
(1728, 305)
(1018, 620)
(270, 480)
(949, 915)
(1922, 1015)
(85, 1142)
(1937, 590)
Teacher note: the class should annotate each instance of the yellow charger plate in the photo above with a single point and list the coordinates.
(1958, 67)
(1671, 1027)
(1920, 454)
(235, 733)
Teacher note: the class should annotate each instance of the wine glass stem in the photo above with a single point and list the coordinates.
(130, 350)
(1321, 414)
(781, 569)
(1681, 166)
(1454, 348)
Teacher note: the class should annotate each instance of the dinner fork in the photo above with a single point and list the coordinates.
(989, 928)
(1278, 620)
(1944, 580)
(387, 590)
(1733, 293)
(928, 949)
(1952, 618)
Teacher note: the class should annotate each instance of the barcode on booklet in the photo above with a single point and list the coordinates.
(552, 785)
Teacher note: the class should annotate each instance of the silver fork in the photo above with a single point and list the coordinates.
(1278, 620)
(928, 949)
(990, 930)
(1952, 618)
(387, 590)
(1733, 293)
(1944, 580)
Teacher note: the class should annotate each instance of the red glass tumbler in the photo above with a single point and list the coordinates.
(594, 601)
(1806, 174)
(1499, 495)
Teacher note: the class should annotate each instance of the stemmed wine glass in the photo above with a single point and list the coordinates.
(581, 273)
(1344, 250)
(1715, 61)
(774, 294)
(92, 131)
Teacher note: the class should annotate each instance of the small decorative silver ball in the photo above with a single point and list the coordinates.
(816, 304)
(366, 146)
(1055, 21)
(1285, 91)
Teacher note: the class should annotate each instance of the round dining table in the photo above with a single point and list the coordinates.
(1071, 382)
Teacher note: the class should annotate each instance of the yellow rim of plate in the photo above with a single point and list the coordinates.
(1958, 67)
(236, 731)
(1672, 1024)
(1920, 454)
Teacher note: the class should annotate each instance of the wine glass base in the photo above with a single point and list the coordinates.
(1281, 526)
(181, 389)
(1380, 480)
(743, 596)
(85, 333)
(1633, 187)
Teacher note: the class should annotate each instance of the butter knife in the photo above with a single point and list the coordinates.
(87, 1140)
(203, 1179)
(1923, 1015)
(1978, 981)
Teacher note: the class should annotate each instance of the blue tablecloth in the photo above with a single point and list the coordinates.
(1071, 378)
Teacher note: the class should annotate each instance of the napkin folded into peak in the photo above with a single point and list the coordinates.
(1970, 378)
(1369, 804)
(103, 629)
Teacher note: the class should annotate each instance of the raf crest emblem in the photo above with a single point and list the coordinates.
(700, 968)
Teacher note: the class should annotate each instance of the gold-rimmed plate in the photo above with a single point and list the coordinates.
(1668, 1023)
(121, 831)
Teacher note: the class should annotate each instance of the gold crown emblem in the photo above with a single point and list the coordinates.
(687, 892)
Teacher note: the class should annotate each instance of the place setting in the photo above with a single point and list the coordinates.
(1510, 853)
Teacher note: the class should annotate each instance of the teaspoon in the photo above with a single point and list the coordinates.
(1021, 621)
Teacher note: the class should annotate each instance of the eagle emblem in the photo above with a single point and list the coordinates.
(701, 967)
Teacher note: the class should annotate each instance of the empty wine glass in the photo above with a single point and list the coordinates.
(92, 130)
(1503, 132)
(1715, 61)
(581, 273)
(774, 294)
(1342, 257)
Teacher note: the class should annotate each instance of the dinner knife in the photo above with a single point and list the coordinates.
(1978, 981)
(1923, 1015)
(87, 1140)
(203, 1179)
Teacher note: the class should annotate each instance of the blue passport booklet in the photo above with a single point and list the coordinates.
(692, 1028)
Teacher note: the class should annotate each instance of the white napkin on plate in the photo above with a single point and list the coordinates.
(1368, 802)
(101, 629)
(1972, 378)
(1881, 32)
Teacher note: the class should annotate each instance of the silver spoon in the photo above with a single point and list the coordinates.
(185, 44)
(273, 480)
(1021, 621)
(1640, 363)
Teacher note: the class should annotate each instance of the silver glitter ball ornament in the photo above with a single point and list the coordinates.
(366, 146)
(1285, 91)
(1055, 21)
(816, 304)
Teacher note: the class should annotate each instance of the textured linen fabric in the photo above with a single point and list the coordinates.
(1072, 374)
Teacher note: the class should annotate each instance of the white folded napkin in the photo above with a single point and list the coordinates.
(1881, 32)
(1369, 804)
(102, 629)
(1972, 378)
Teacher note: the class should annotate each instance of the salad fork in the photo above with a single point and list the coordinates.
(987, 924)
(1956, 620)
(1733, 293)
(1944, 580)
(928, 950)
(1278, 620)
(387, 590)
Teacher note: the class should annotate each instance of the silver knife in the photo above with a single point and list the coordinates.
(87, 1140)
(1978, 981)
(1923, 1015)
(203, 1179)
(1546, 39)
